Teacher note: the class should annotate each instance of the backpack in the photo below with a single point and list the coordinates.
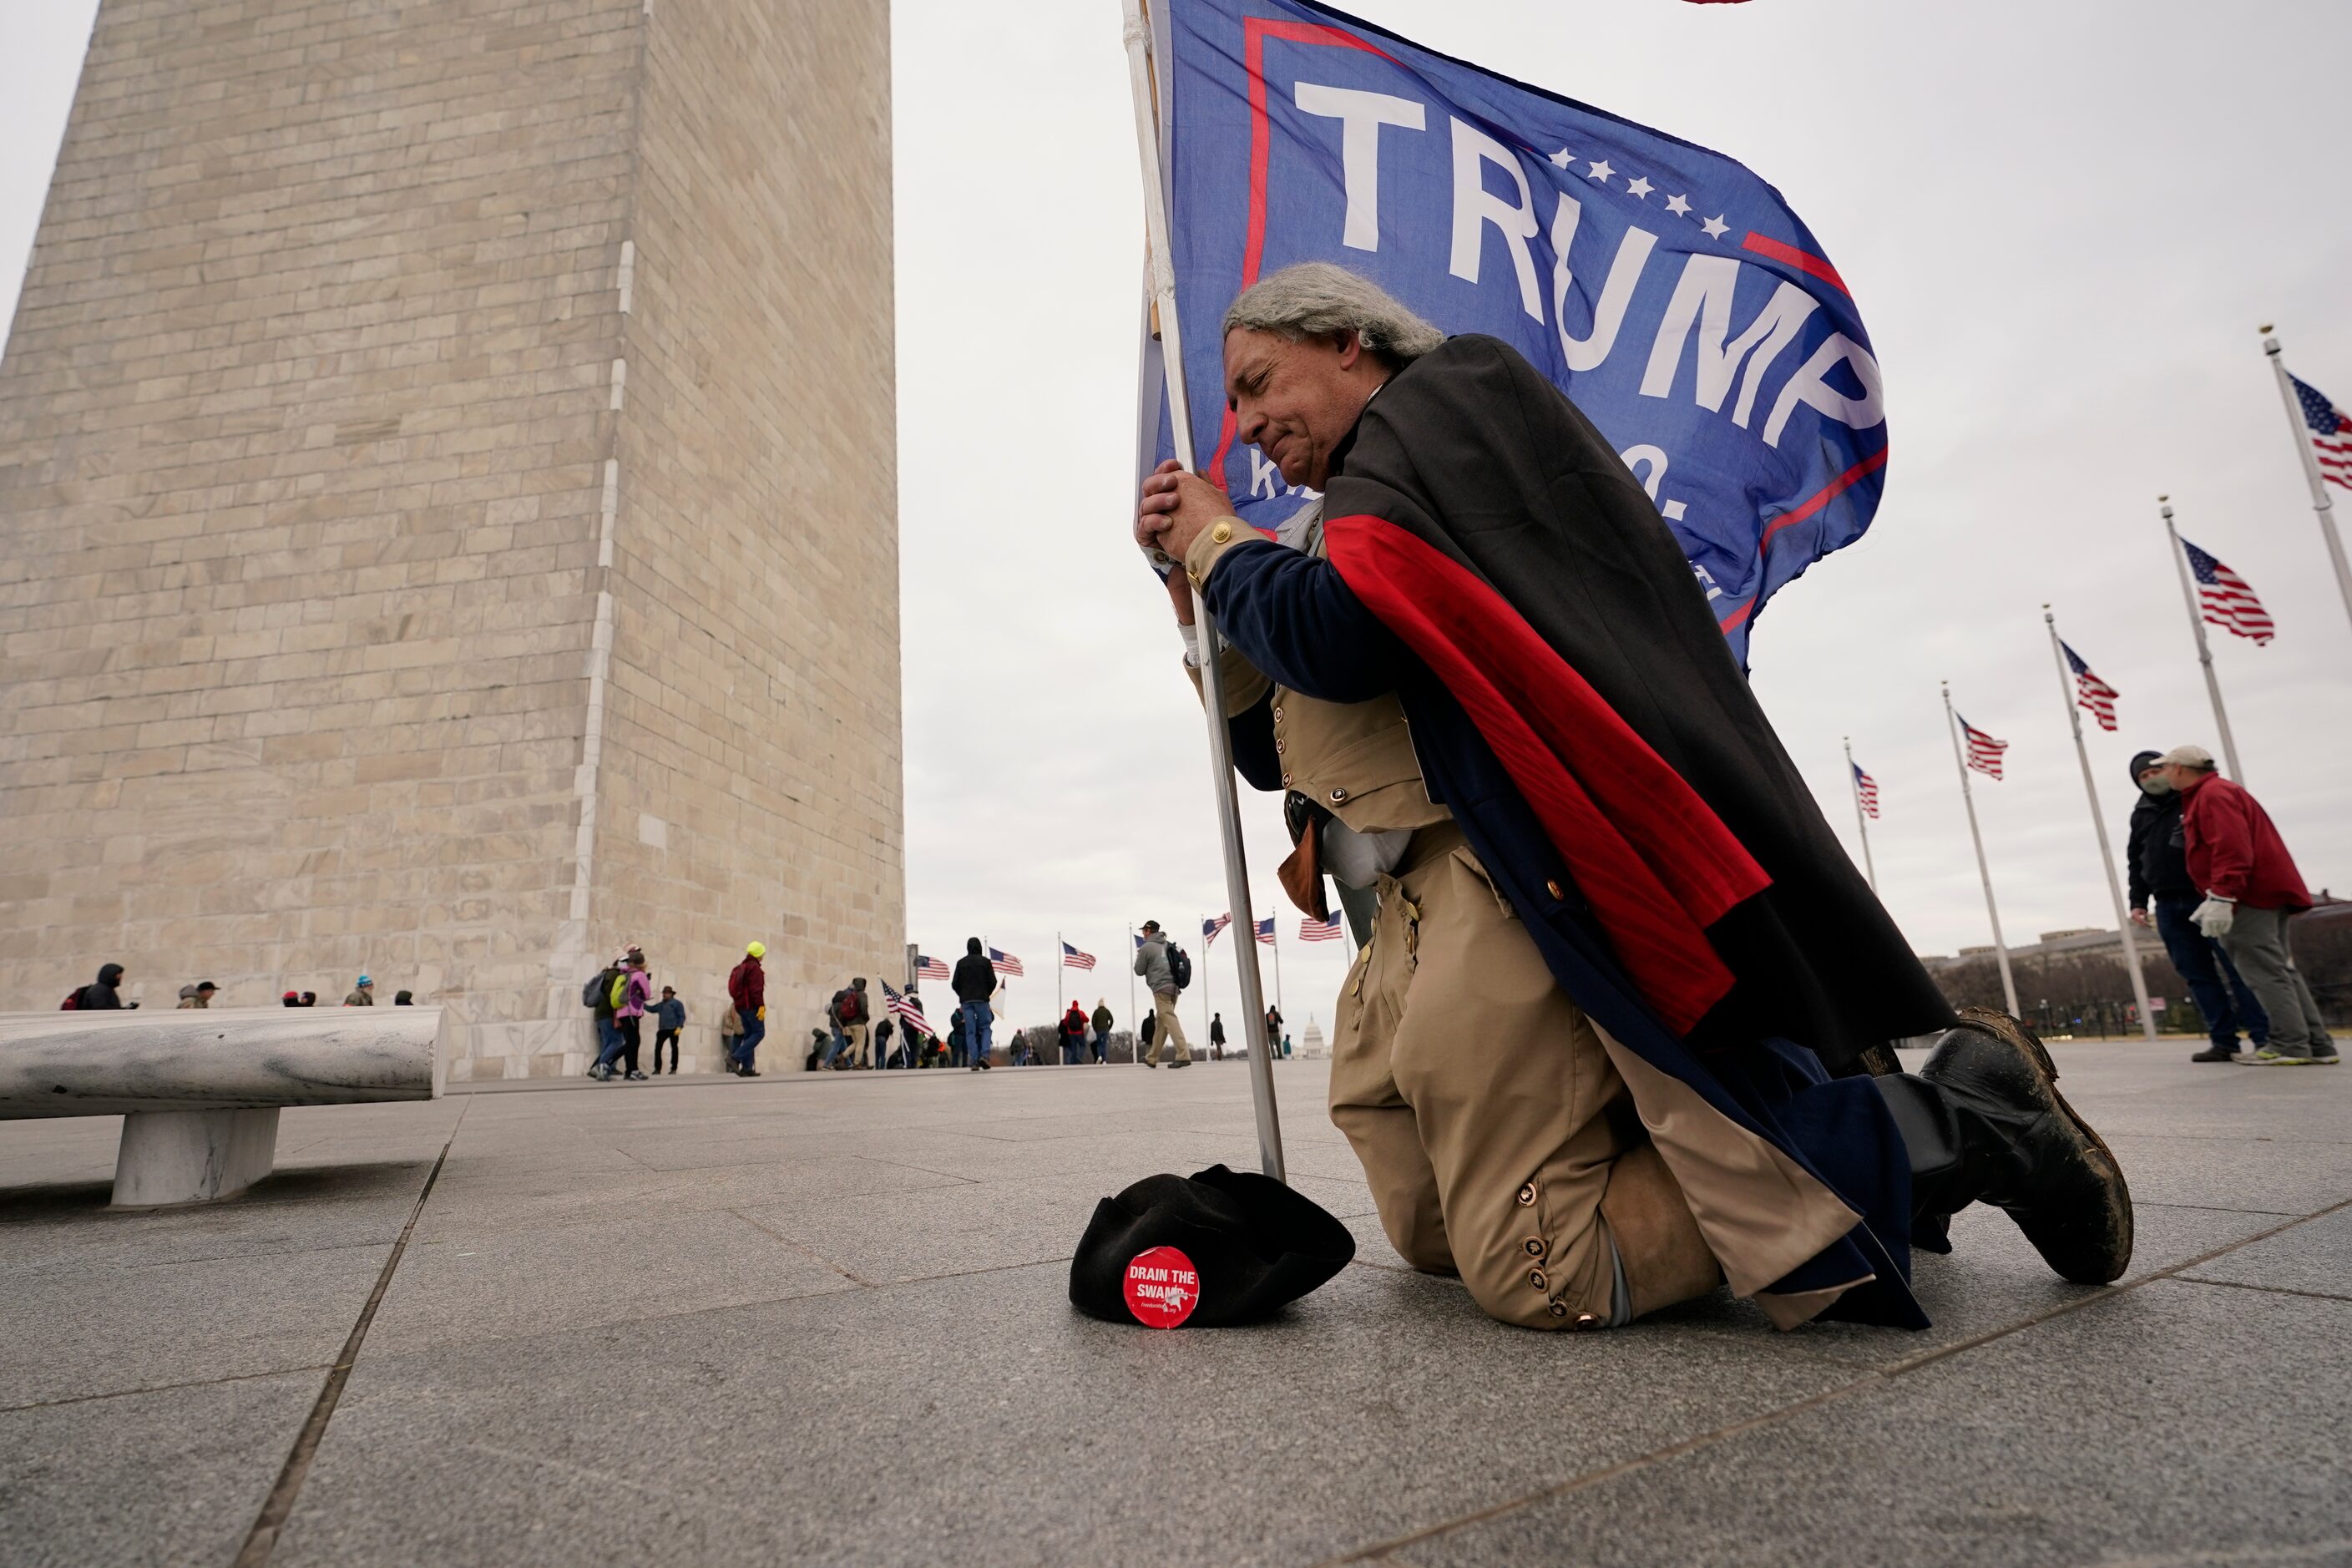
(849, 1005)
(599, 986)
(1180, 967)
(620, 991)
(72, 1002)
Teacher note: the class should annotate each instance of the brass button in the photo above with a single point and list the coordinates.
(1277, 743)
(1534, 1244)
(1337, 795)
(1537, 1280)
(1553, 889)
(1277, 712)
(1285, 779)
(1527, 1195)
(1221, 535)
(1559, 1308)
(1588, 1320)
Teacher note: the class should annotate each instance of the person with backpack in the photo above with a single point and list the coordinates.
(102, 994)
(1074, 1036)
(852, 1017)
(974, 981)
(625, 995)
(1102, 1022)
(597, 997)
(1166, 970)
(746, 988)
(2164, 895)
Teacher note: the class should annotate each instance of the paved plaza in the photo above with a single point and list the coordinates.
(824, 1320)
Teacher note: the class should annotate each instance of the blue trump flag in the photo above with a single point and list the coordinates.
(1666, 289)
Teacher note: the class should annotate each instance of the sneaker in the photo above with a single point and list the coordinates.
(2323, 1053)
(2267, 1058)
(636, 1077)
(2215, 1053)
(600, 1072)
(749, 1072)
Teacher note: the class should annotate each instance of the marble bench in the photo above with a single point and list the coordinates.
(199, 1090)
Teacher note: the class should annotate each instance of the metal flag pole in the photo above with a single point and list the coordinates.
(1134, 1023)
(1273, 929)
(2099, 826)
(2320, 502)
(1206, 943)
(2000, 948)
(1212, 681)
(1061, 962)
(1861, 826)
(2204, 653)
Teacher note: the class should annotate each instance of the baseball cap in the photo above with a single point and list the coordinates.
(2186, 757)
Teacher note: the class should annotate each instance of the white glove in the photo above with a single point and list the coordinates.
(2215, 916)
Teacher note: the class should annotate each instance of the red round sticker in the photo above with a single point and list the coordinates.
(1162, 1288)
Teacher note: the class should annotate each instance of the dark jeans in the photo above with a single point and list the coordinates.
(608, 1040)
(632, 1036)
(669, 1038)
(755, 1029)
(2203, 965)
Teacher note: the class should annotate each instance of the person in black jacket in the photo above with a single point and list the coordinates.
(103, 993)
(974, 981)
(2163, 894)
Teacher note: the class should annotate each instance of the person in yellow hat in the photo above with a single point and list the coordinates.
(747, 987)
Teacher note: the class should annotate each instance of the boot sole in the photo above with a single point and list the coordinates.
(2120, 1231)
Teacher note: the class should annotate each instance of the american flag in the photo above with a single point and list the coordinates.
(930, 968)
(1984, 752)
(1003, 962)
(2330, 430)
(906, 1009)
(1265, 931)
(1209, 929)
(1312, 930)
(2225, 599)
(2090, 691)
(1865, 788)
(1073, 959)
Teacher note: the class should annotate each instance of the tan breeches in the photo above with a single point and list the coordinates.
(1169, 1028)
(1499, 1140)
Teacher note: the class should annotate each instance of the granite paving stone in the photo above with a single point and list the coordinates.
(2315, 1256)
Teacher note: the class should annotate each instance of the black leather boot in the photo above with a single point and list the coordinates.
(1984, 1123)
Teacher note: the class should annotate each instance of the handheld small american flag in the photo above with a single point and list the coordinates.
(1209, 929)
(1312, 930)
(2225, 599)
(1073, 959)
(1984, 752)
(1866, 788)
(930, 968)
(2330, 430)
(1004, 963)
(2090, 691)
(908, 1009)
(1265, 931)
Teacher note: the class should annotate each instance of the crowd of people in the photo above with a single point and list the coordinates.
(105, 994)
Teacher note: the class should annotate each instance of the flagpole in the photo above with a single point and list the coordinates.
(1276, 930)
(1205, 1009)
(1860, 824)
(2320, 501)
(2204, 652)
(2066, 694)
(2000, 948)
(1212, 681)
(1134, 1024)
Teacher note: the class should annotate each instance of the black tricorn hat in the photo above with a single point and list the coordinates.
(1254, 1244)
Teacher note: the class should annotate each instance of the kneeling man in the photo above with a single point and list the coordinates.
(1609, 1042)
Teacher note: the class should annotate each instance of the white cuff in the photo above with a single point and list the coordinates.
(1191, 634)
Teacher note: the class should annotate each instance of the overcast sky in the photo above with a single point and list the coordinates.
(2062, 225)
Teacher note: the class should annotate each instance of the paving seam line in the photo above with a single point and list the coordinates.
(279, 1506)
(1874, 1378)
(161, 1388)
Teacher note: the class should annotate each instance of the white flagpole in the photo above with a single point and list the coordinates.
(1276, 930)
(1861, 826)
(2098, 824)
(1061, 962)
(2320, 501)
(1212, 681)
(2204, 653)
(2000, 948)
(1134, 1021)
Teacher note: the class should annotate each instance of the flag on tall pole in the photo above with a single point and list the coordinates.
(930, 968)
(1148, 44)
(1984, 752)
(1865, 804)
(2072, 676)
(1265, 931)
(2180, 548)
(1210, 928)
(2324, 441)
(2226, 599)
(1073, 959)
(1954, 723)
(2095, 696)
(1312, 930)
(1003, 962)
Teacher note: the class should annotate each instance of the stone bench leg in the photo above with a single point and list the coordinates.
(192, 1156)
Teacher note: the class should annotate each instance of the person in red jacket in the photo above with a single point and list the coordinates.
(746, 988)
(2252, 889)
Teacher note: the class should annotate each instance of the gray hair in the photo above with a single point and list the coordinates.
(1317, 299)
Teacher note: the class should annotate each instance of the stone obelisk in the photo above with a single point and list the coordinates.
(448, 512)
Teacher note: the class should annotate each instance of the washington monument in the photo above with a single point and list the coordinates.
(448, 478)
